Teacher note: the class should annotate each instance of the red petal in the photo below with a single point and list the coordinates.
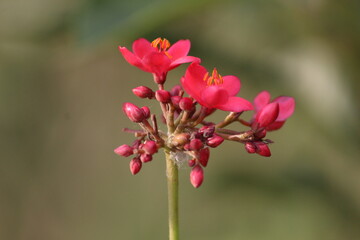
(182, 60)
(193, 82)
(231, 84)
(179, 49)
(213, 96)
(275, 126)
(131, 58)
(286, 107)
(236, 104)
(268, 114)
(261, 100)
(142, 47)
(157, 62)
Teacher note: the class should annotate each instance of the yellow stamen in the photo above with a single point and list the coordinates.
(162, 44)
(214, 79)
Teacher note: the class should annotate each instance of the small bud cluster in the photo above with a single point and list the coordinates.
(188, 130)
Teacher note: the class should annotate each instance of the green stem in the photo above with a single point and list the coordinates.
(173, 199)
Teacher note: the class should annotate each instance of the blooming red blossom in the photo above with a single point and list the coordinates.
(266, 110)
(214, 91)
(158, 57)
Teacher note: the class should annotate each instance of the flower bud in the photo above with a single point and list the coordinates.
(250, 147)
(262, 149)
(187, 147)
(124, 150)
(207, 131)
(191, 162)
(133, 112)
(135, 165)
(186, 104)
(267, 115)
(261, 134)
(162, 96)
(197, 176)
(175, 91)
(143, 92)
(180, 139)
(196, 144)
(145, 157)
(150, 147)
(204, 155)
(176, 100)
(214, 141)
(146, 111)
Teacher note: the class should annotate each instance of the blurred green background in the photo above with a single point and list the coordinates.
(62, 83)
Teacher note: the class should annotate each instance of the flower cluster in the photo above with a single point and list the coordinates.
(189, 135)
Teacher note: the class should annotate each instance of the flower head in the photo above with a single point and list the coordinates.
(272, 114)
(158, 57)
(214, 91)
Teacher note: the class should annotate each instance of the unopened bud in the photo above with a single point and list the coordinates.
(262, 149)
(135, 165)
(150, 147)
(143, 92)
(268, 114)
(133, 112)
(196, 144)
(204, 155)
(214, 141)
(175, 91)
(261, 134)
(192, 162)
(146, 111)
(180, 139)
(186, 104)
(250, 147)
(176, 100)
(207, 131)
(197, 176)
(124, 150)
(145, 157)
(162, 96)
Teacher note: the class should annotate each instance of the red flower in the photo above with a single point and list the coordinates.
(264, 109)
(158, 57)
(214, 91)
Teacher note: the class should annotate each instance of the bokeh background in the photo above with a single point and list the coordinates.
(62, 83)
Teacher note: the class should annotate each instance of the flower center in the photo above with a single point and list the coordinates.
(214, 79)
(161, 44)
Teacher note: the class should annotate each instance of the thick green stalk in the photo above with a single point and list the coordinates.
(173, 199)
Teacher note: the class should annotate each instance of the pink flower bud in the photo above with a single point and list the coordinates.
(176, 100)
(133, 112)
(197, 176)
(187, 147)
(135, 165)
(150, 147)
(261, 134)
(262, 149)
(143, 92)
(204, 155)
(146, 111)
(162, 96)
(175, 91)
(250, 147)
(268, 114)
(191, 162)
(186, 104)
(196, 144)
(124, 150)
(207, 131)
(214, 141)
(145, 157)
